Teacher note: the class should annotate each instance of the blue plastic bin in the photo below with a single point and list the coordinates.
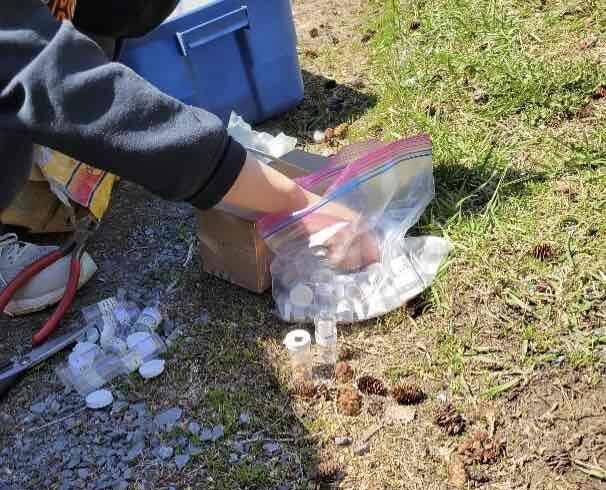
(227, 55)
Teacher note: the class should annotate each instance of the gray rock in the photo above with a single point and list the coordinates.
(83, 473)
(361, 449)
(134, 452)
(194, 428)
(181, 460)
(121, 485)
(140, 409)
(240, 447)
(217, 432)
(127, 474)
(271, 448)
(343, 441)
(168, 417)
(55, 407)
(234, 458)
(182, 441)
(206, 435)
(119, 407)
(38, 408)
(73, 462)
(244, 418)
(165, 452)
(79, 484)
(105, 483)
(194, 450)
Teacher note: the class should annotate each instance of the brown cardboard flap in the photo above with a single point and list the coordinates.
(230, 245)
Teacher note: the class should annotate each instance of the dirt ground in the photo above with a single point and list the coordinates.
(144, 243)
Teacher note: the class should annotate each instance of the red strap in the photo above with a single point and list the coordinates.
(68, 298)
(25, 275)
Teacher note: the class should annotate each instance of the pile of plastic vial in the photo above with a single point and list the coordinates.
(303, 287)
(121, 339)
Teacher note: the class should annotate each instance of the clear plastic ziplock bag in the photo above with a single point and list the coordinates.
(347, 255)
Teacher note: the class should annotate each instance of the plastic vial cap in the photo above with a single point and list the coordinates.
(152, 368)
(99, 399)
(297, 340)
(301, 295)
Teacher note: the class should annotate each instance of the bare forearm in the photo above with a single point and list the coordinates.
(263, 189)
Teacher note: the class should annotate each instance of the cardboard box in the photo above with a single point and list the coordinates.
(230, 245)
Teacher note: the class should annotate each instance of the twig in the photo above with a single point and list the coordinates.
(591, 470)
(53, 422)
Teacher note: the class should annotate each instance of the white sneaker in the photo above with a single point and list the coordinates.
(47, 287)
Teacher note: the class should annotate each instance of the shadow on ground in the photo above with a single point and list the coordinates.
(326, 104)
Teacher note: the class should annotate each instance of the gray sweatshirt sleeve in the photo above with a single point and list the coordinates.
(58, 88)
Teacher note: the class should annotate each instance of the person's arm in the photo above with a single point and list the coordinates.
(58, 89)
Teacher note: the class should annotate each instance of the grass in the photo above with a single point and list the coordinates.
(509, 98)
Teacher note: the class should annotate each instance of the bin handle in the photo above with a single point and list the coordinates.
(214, 29)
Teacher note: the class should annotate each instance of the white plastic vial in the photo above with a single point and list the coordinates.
(326, 339)
(149, 319)
(298, 344)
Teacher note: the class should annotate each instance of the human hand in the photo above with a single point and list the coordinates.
(349, 243)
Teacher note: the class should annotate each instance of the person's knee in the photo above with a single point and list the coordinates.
(16, 153)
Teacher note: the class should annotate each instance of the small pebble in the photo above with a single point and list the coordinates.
(165, 452)
(83, 473)
(134, 452)
(206, 435)
(271, 448)
(181, 460)
(38, 408)
(244, 419)
(168, 417)
(218, 432)
(194, 450)
(343, 441)
(362, 449)
(119, 407)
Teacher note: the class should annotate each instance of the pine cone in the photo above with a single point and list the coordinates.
(371, 386)
(543, 251)
(559, 461)
(327, 471)
(304, 389)
(349, 402)
(408, 394)
(375, 408)
(323, 392)
(341, 131)
(346, 353)
(343, 372)
(451, 421)
(480, 448)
